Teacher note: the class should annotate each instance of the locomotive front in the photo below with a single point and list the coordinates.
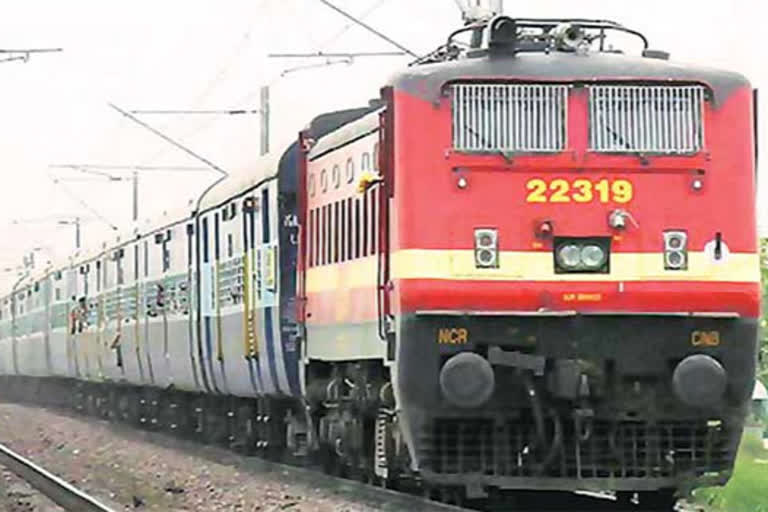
(572, 263)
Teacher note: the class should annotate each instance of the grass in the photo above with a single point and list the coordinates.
(747, 491)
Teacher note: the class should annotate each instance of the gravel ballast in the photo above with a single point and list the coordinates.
(126, 471)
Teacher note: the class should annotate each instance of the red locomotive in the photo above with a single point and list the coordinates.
(554, 259)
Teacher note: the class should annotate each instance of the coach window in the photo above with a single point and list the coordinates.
(318, 235)
(107, 281)
(146, 258)
(336, 176)
(358, 230)
(328, 224)
(136, 263)
(312, 185)
(365, 164)
(374, 215)
(316, 239)
(336, 233)
(324, 180)
(120, 253)
(376, 157)
(329, 234)
(342, 233)
(166, 251)
(310, 237)
(110, 277)
(350, 170)
(364, 227)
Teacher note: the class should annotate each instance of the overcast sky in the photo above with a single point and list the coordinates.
(206, 54)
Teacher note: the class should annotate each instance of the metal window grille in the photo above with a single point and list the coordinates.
(509, 117)
(646, 119)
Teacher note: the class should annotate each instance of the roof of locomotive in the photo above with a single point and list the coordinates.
(364, 125)
(427, 80)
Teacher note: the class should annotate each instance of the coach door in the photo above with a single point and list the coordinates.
(58, 324)
(179, 347)
(130, 312)
(251, 336)
(154, 296)
(73, 276)
(80, 314)
(209, 319)
(232, 312)
(188, 304)
(109, 317)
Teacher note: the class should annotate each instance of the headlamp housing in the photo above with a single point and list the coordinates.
(582, 255)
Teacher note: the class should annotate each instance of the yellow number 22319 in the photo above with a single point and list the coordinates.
(579, 191)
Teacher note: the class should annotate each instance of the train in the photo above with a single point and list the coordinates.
(531, 263)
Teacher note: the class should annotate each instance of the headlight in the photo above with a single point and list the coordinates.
(592, 256)
(582, 255)
(569, 256)
(675, 250)
(486, 248)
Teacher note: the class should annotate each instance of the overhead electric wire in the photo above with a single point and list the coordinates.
(31, 50)
(346, 27)
(368, 28)
(123, 167)
(228, 112)
(321, 54)
(329, 62)
(82, 202)
(169, 140)
(246, 100)
(222, 72)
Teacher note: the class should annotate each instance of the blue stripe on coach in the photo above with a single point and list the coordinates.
(269, 333)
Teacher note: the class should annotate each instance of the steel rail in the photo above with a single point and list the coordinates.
(59, 491)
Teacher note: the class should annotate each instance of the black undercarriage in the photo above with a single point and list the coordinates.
(577, 402)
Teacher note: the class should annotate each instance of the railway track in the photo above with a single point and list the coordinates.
(56, 489)
(359, 490)
(72, 499)
(386, 500)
